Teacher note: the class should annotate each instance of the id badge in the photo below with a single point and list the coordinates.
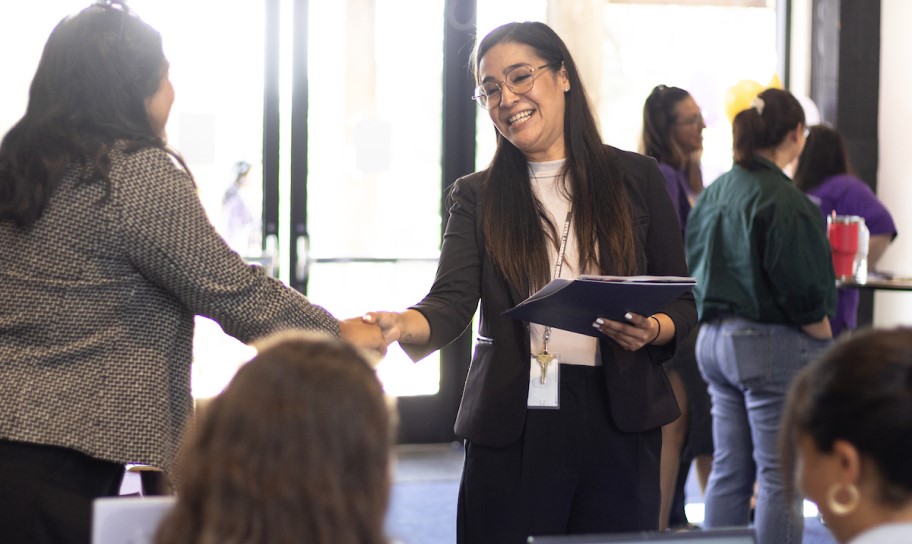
(547, 394)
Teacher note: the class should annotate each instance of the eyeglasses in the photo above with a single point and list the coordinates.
(692, 120)
(519, 80)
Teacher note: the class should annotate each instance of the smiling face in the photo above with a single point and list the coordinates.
(534, 121)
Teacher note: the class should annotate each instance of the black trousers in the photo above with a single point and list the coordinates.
(572, 472)
(46, 492)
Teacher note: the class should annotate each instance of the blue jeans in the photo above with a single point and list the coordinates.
(749, 367)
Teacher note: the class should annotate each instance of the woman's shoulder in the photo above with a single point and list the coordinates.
(139, 164)
(844, 184)
(629, 159)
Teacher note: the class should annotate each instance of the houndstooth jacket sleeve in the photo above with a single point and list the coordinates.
(97, 306)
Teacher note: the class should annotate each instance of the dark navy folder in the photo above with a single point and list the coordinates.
(573, 305)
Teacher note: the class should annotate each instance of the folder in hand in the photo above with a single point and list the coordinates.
(573, 305)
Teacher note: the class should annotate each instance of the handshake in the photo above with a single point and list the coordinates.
(377, 330)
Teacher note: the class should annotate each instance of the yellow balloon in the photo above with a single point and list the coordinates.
(739, 97)
(775, 82)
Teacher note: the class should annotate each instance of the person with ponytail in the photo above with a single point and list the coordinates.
(846, 437)
(554, 202)
(765, 291)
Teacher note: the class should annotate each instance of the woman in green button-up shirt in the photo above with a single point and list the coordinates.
(765, 288)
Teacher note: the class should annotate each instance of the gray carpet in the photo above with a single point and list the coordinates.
(423, 504)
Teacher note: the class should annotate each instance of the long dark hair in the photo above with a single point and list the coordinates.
(513, 218)
(823, 156)
(658, 120)
(89, 90)
(296, 449)
(860, 391)
(764, 125)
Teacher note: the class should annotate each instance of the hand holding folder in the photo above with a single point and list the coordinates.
(573, 305)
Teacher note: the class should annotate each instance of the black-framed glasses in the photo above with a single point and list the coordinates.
(519, 80)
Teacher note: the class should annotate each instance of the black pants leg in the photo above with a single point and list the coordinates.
(46, 492)
(572, 472)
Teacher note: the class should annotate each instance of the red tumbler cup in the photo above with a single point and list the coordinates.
(842, 231)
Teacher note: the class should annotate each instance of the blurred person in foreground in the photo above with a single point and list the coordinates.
(847, 437)
(297, 448)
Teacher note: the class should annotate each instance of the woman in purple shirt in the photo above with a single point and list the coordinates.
(823, 173)
(673, 135)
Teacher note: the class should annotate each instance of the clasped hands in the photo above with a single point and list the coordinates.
(377, 330)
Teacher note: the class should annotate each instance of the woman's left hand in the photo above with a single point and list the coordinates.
(633, 335)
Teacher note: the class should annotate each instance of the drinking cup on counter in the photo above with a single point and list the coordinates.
(843, 232)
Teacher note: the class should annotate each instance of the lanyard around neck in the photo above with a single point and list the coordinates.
(558, 267)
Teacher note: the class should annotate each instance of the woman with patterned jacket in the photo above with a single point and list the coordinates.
(106, 256)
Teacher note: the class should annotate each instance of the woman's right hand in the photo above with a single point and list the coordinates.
(389, 323)
(408, 327)
(820, 330)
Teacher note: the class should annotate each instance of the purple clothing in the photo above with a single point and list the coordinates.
(848, 195)
(678, 190)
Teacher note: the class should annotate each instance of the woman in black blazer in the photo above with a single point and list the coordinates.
(554, 202)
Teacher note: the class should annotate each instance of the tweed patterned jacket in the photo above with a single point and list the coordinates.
(97, 306)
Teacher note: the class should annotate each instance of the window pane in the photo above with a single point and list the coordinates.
(217, 118)
(374, 163)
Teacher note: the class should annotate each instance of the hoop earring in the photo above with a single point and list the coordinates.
(842, 508)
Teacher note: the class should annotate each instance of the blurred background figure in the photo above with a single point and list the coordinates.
(673, 135)
(296, 449)
(847, 437)
(241, 226)
(825, 173)
(765, 291)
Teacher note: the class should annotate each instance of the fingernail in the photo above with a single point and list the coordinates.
(598, 322)
(367, 318)
(628, 315)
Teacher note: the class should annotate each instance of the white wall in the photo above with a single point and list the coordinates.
(894, 177)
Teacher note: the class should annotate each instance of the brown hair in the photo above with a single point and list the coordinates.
(513, 218)
(764, 125)
(823, 156)
(859, 391)
(296, 449)
(658, 121)
(97, 69)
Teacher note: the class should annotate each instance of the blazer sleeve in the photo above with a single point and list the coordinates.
(170, 241)
(453, 298)
(663, 245)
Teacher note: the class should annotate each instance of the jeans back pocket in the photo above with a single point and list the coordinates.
(752, 355)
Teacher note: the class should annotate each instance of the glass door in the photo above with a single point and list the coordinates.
(370, 228)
